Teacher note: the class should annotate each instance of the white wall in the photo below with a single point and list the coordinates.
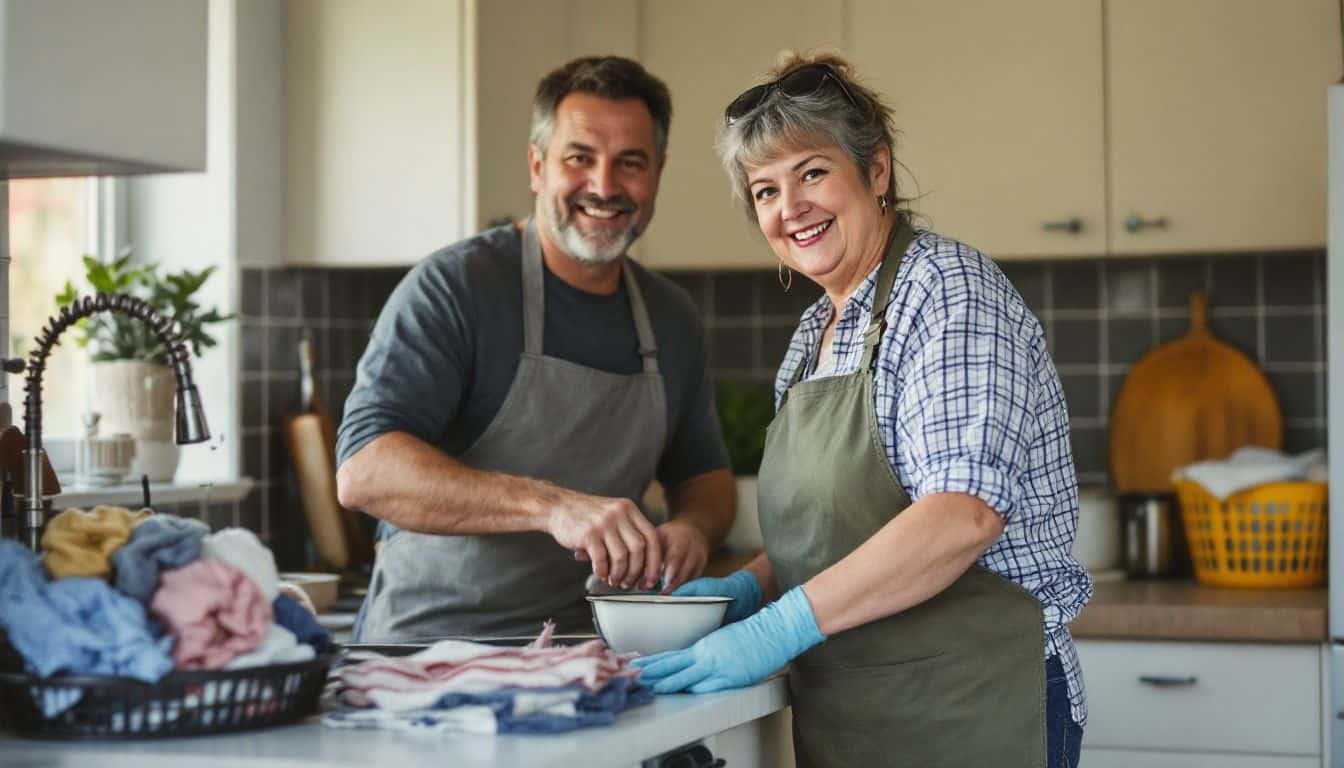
(230, 215)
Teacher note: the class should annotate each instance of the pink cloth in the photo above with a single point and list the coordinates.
(214, 610)
(455, 666)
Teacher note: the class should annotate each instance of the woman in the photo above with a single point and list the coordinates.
(918, 499)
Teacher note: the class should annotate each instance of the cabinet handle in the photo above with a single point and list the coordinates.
(1135, 223)
(1167, 681)
(1072, 225)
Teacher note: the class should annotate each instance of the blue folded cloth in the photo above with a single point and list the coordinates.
(294, 617)
(601, 708)
(75, 625)
(506, 710)
(157, 543)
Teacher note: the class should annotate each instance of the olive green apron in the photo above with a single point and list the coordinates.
(958, 680)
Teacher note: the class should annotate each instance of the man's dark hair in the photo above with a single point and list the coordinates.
(610, 77)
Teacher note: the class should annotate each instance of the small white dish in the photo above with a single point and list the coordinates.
(648, 624)
(321, 588)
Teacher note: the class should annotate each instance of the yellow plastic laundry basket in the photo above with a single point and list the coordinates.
(1272, 535)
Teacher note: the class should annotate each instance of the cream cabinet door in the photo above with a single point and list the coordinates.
(708, 52)
(378, 163)
(1202, 697)
(1001, 116)
(1217, 122)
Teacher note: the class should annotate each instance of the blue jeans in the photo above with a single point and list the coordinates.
(1063, 737)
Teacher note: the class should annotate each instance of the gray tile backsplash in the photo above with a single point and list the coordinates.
(338, 306)
(1100, 317)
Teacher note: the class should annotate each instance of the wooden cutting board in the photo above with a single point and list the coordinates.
(337, 533)
(316, 475)
(1188, 400)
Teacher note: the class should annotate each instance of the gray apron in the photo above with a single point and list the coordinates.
(584, 429)
(958, 680)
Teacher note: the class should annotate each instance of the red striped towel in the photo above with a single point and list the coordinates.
(456, 666)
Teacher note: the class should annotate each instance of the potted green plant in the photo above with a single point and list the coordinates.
(133, 387)
(744, 414)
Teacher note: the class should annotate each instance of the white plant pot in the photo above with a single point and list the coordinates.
(745, 535)
(137, 398)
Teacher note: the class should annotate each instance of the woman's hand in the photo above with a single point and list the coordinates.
(739, 654)
(741, 586)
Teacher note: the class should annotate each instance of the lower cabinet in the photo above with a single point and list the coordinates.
(1128, 758)
(1178, 704)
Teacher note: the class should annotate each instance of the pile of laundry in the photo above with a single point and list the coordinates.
(459, 686)
(1251, 466)
(135, 594)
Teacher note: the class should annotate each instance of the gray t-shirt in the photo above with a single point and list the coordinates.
(446, 346)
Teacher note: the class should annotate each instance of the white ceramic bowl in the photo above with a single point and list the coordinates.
(647, 624)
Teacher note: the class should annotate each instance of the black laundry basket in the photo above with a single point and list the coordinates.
(184, 703)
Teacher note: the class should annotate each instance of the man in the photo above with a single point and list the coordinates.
(523, 386)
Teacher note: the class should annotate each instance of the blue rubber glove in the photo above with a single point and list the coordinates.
(741, 586)
(739, 654)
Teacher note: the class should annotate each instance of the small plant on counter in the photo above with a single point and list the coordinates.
(118, 337)
(744, 414)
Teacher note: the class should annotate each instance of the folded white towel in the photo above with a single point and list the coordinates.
(242, 549)
(1252, 466)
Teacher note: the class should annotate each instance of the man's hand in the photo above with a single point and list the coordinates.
(685, 551)
(612, 533)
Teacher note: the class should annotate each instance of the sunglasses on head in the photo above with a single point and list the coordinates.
(803, 81)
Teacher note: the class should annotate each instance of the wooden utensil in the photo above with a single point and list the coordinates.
(337, 532)
(1188, 400)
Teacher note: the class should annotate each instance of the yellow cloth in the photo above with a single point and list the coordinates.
(80, 543)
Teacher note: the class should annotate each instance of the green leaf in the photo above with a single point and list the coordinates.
(113, 336)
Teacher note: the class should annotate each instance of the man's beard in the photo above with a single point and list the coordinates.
(589, 248)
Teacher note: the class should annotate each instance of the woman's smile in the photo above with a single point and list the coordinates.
(811, 235)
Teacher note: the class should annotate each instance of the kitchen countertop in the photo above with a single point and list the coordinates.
(130, 494)
(640, 733)
(1187, 610)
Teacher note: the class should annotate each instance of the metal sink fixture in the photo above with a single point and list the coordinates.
(190, 415)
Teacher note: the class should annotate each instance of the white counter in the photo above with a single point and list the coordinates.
(638, 734)
(130, 494)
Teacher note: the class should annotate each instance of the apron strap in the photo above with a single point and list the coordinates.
(648, 348)
(534, 291)
(534, 303)
(877, 324)
(886, 277)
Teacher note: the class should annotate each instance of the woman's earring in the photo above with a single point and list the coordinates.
(882, 203)
(785, 276)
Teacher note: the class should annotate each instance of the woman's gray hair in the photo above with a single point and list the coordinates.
(784, 123)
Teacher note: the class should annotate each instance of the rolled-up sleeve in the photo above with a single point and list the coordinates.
(965, 391)
(412, 374)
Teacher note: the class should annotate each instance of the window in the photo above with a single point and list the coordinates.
(53, 223)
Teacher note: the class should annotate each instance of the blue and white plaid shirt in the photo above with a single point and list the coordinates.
(968, 401)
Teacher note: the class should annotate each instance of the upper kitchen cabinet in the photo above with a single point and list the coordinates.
(1217, 122)
(707, 52)
(1000, 113)
(379, 151)
(511, 58)
(102, 88)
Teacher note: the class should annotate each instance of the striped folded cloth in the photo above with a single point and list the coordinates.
(455, 685)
